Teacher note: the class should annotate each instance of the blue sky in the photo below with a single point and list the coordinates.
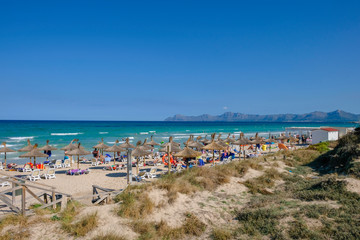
(147, 60)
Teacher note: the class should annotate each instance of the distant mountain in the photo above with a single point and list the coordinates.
(336, 116)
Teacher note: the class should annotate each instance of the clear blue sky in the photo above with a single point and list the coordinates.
(147, 60)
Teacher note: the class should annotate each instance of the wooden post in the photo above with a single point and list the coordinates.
(53, 198)
(13, 194)
(23, 201)
(63, 203)
(169, 158)
(213, 157)
(129, 167)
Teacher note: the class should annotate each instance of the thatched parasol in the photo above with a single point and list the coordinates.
(139, 151)
(270, 140)
(146, 146)
(221, 142)
(28, 148)
(115, 148)
(229, 140)
(34, 153)
(47, 147)
(72, 145)
(79, 151)
(282, 137)
(170, 147)
(6, 150)
(126, 144)
(196, 145)
(205, 140)
(214, 146)
(101, 146)
(152, 142)
(242, 141)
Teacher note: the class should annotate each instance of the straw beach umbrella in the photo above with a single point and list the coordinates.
(138, 152)
(152, 142)
(71, 146)
(34, 153)
(242, 141)
(229, 140)
(101, 146)
(205, 140)
(79, 151)
(115, 148)
(170, 147)
(221, 142)
(187, 153)
(27, 148)
(6, 150)
(146, 146)
(214, 147)
(47, 147)
(127, 144)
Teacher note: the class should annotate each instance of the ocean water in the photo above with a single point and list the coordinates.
(89, 133)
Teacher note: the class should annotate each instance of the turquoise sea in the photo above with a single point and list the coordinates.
(60, 133)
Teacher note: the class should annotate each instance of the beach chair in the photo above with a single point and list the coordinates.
(26, 168)
(66, 163)
(3, 182)
(178, 168)
(94, 162)
(35, 175)
(58, 164)
(151, 173)
(1, 166)
(50, 173)
(140, 176)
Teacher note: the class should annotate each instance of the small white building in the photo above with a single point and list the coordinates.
(325, 134)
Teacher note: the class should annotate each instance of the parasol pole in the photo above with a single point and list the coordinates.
(169, 163)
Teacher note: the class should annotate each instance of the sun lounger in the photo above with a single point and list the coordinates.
(58, 164)
(3, 182)
(50, 173)
(94, 162)
(151, 173)
(1, 166)
(178, 168)
(35, 175)
(66, 163)
(140, 176)
(26, 168)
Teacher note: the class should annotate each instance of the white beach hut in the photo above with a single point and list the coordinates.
(324, 134)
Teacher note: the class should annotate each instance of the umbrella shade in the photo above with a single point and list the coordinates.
(126, 144)
(27, 148)
(196, 145)
(114, 148)
(188, 153)
(171, 143)
(214, 146)
(33, 153)
(229, 139)
(152, 142)
(205, 140)
(47, 147)
(146, 146)
(282, 137)
(173, 149)
(71, 146)
(140, 152)
(293, 139)
(79, 151)
(101, 145)
(6, 150)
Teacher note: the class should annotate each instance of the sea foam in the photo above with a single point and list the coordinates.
(65, 134)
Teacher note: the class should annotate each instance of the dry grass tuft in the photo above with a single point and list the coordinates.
(134, 204)
(267, 180)
(192, 226)
(108, 236)
(220, 234)
(83, 226)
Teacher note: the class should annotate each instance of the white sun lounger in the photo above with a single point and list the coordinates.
(50, 173)
(151, 173)
(35, 175)
(66, 163)
(58, 164)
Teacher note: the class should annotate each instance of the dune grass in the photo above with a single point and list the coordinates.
(192, 226)
(220, 234)
(81, 227)
(134, 204)
(108, 236)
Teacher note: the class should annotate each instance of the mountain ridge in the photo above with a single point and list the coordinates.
(316, 116)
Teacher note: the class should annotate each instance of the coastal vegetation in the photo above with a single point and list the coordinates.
(300, 194)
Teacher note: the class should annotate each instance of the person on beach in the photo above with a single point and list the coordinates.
(95, 153)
